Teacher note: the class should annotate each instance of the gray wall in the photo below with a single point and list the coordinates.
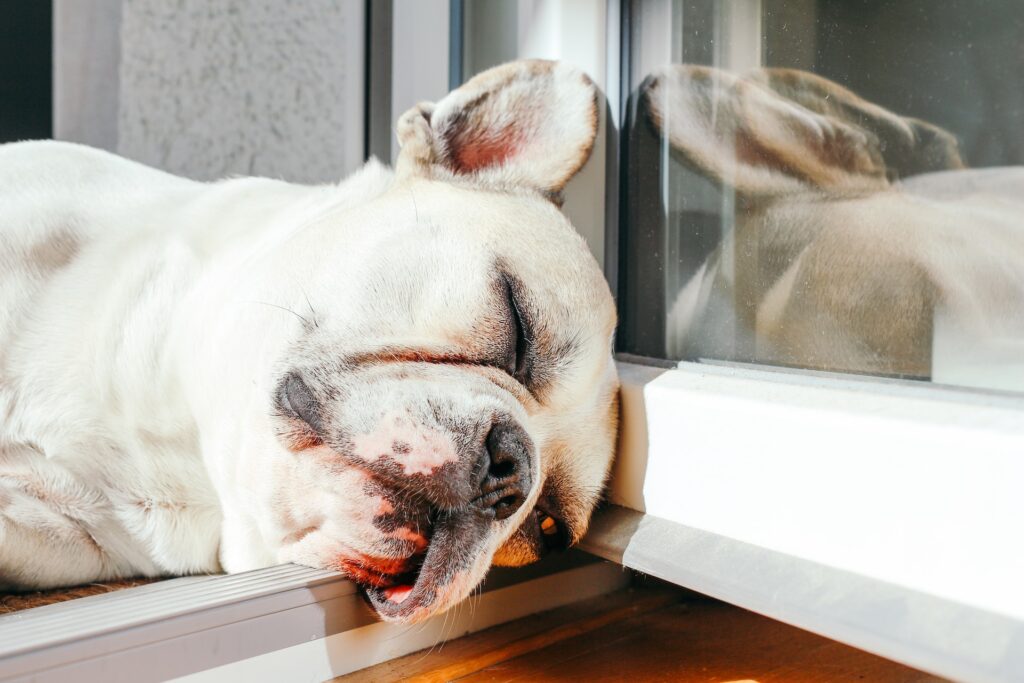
(212, 88)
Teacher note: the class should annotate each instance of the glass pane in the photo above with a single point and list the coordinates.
(828, 184)
(490, 32)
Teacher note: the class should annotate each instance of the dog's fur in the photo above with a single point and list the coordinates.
(857, 230)
(201, 377)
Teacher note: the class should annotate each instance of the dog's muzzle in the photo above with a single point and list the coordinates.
(452, 478)
(464, 511)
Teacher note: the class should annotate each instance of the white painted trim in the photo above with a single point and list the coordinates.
(312, 624)
(908, 484)
(351, 650)
(944, 637)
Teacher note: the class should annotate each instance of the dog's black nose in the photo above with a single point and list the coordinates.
(507, 480)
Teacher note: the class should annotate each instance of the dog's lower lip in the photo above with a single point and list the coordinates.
(443, 568)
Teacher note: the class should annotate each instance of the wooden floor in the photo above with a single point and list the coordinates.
(655, 633)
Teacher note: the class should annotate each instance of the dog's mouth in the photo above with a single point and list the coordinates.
(432, 580)
(395, 588)
(382, 574)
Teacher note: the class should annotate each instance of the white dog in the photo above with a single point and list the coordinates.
(402, 377)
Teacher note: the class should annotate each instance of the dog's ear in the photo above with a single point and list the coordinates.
(908, 146)
(529, 123)
(741, 133)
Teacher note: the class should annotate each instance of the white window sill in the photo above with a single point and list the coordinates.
(879, 513)
(285, 623)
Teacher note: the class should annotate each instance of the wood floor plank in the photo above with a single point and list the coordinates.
(666, 636)
(472, 653)
(549, 638)
(699, 641)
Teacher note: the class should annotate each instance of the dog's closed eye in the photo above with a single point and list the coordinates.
(297, 399)
(518, 347)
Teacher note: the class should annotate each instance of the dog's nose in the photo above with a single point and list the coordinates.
(507, 479)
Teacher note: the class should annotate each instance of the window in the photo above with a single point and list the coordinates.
(820, 237)
(820, 354)
(828, 185)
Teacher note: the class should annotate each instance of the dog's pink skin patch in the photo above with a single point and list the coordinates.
(487, 151)
(397, 594)
(404, 533)
(384, 507)
(473, 148)
(423, 450)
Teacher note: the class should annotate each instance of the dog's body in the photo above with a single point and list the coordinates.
(399, 377)
(107, 285)
(860, 242)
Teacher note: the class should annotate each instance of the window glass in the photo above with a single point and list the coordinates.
(827, 184)
(490, 34)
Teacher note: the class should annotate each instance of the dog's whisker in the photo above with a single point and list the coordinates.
(312, 311)
(415, 208)
(286, 309)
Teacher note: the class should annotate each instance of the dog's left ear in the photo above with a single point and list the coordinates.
(529, 123)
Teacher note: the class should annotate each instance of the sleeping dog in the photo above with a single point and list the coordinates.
(404, 377)
(860, 244)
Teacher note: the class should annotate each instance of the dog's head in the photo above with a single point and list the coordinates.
(449, 399)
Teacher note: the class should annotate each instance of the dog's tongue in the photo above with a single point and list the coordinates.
(397, 594)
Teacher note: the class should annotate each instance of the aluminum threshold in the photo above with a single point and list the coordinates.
(924, 631)
(281, 623)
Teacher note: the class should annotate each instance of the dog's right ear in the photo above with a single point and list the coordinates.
(530, 123)
(742, 134)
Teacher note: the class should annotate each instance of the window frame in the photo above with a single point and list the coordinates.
(279, 623)
(702, 536)
(663, 438)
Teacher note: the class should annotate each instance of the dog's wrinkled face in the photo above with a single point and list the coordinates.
(451, 398)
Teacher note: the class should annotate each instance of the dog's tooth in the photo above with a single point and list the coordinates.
(548, 526)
